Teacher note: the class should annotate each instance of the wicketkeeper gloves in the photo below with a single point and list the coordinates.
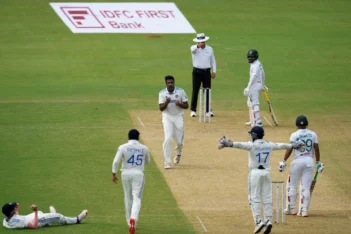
(223, 142)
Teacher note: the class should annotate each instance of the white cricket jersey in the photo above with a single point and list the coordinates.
(309, 138)
(260, 152)
(257, 76)
(133, 155)
(19, 221)
(203, 58)
(172, 110)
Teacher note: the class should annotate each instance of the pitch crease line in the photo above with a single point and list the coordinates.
(268, 121)
(203, 226)
(141, 122)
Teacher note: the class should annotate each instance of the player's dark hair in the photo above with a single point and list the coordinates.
(133, 134)
(169, 77)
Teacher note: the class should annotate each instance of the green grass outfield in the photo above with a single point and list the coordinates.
(64, 97)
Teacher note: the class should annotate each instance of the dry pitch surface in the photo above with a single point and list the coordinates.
(210, 186)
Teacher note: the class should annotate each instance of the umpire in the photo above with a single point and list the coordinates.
(203, 60)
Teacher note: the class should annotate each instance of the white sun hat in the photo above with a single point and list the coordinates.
(200, 37)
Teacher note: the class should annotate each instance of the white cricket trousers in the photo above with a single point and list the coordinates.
(301, 169)
(260, 190)
(173, 128)
(133, 184)
(45, 219)
(255, 102)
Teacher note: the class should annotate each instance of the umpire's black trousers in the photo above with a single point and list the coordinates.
(200, 76)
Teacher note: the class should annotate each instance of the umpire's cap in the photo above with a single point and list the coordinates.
(257, 132)
(301, 120)
(8, 207)
(133, 134)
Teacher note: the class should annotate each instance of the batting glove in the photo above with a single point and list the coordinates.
(266, 88)
(320, 167)
(223, 142)
(246, 92)
(282, 166)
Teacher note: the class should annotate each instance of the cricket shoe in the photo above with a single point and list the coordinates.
(82, 216)
(132, 226)
(209, 114)
(167, 167)
(259, 227)
(302, 214)
(268, 227)
(52, 209)
(248, 123)
(192, 114)
(177, 159)
(290, 211)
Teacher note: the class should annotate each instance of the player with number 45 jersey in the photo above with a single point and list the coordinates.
(133, 155)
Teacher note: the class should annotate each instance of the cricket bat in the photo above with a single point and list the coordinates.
(314, 181)
(270, 108)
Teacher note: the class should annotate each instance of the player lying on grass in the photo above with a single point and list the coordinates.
(37, 218)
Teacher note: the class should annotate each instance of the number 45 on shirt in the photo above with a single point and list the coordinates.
(136, 159)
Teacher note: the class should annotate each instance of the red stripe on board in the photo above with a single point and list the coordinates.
(78, 17)
(78, 12)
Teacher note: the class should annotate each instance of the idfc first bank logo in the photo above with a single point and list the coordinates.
(82, 17)
(160, 17)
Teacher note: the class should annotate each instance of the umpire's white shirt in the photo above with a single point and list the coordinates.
(257, 76)
(309, 138)
(172, 110)
(133, 155)
(260, 152)
(203, 58)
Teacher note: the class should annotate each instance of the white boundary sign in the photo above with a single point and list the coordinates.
(160, 17)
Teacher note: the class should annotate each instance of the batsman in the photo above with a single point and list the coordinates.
(301, 168)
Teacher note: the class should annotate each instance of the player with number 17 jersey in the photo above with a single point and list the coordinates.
(260, 151)
(309, 138)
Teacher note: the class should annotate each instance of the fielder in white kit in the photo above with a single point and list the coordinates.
(255, 85)
(259, 186)
(172, 102)
(36, 219)
(134, 156)
(301, 168)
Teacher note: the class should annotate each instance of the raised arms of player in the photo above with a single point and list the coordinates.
(281, 146)
(34, 223)
(223, 142)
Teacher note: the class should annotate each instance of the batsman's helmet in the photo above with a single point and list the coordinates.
(133, 134)
(252, 53)
(257, 132)
(301, 120)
